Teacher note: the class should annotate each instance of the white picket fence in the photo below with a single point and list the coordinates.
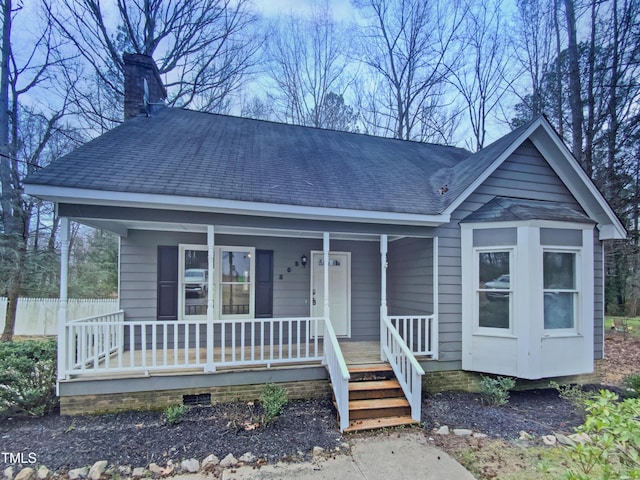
(39, 316)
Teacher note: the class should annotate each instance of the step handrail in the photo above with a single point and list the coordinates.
(405, 366)
(338, 372)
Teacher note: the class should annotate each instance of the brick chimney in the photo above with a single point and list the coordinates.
(137, 69)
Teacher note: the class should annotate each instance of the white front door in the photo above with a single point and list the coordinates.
(339, 290)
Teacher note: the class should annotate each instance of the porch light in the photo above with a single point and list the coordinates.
(303, 260)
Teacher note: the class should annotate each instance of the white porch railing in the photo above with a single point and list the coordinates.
(407, 369)
(94, 339)
(419, 332)
(338, 372)
(109, 344)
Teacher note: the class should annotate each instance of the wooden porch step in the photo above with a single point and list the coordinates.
(374, 389)
(378, 407)
(384, 422)
(370, 372)
(370, 367)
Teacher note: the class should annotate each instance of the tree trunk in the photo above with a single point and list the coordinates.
(591, 107)
(8, 194)
(558, 105)
(575, 100)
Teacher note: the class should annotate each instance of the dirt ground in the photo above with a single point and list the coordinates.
(622, 358)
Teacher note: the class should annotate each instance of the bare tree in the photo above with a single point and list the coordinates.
(20, 155)
(533, 48)
(410, 49)
(204, 48)
(307, 61)
(482, 80)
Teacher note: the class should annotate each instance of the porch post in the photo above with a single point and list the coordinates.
(325, 252)
(62, 310)
(435, 342)
(210, 295)
(383, 290)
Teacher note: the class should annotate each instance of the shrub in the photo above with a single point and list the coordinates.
(574, 394)
(495, 391)
(27, 377)
(273, 398)
(612, 450)
(173, 414)
(632, 386)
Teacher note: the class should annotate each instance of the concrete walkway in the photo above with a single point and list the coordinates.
(398, 455)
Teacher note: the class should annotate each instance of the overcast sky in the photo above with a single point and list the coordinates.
(341, 9)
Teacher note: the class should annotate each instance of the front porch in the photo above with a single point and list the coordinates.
(109, 350)
(231, 300)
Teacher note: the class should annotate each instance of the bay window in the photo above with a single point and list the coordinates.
(494, 291)
(560, 289)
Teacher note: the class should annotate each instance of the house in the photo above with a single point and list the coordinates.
(253, 252)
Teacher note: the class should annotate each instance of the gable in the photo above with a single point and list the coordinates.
(576, 185)
(525, 174)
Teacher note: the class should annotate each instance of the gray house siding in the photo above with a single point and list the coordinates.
(524, 175)
(291, 283)
(410, 276)
(598, 301)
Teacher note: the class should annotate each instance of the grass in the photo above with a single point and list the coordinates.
(511, 461)
(633, 325)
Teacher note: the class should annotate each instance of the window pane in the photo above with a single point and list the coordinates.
(494, 309)
(494, 270)
(559, 309)
(195, 282)
(559, 271)
(236, 266)
(235, 299)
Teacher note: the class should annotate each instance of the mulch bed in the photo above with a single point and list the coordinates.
(140, 438)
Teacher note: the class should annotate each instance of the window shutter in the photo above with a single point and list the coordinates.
(167, 283)
(264, 284)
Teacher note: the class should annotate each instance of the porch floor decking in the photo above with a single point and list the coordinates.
(174, 361)
(192, 361)
(360, 353)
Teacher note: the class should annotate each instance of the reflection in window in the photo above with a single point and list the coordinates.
(494, 289)
(560, 289)
(195, 281)
(236, 282)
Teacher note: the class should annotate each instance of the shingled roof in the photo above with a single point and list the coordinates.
(194, 154)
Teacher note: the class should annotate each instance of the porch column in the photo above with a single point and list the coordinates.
(383, 290)
(62, 311)
(436, 300)
(210, 295)
(325, 256)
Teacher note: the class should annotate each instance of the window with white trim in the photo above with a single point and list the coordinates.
(560, 289)
(236, 281)
(494, 289)
(233, 282)
(193, 281)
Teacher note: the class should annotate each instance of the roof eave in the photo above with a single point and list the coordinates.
(201, 204)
